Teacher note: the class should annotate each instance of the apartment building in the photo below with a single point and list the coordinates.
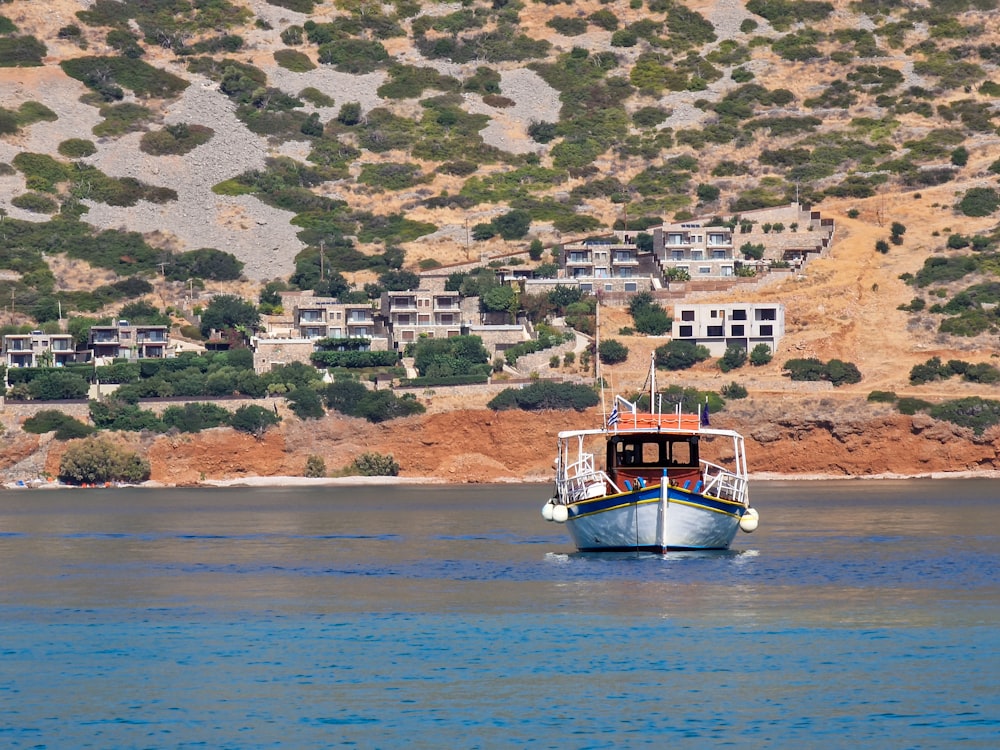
(719, 326)
(410, 315)
(325, 317)
(702, 251)
(38, 349)
(125, 341)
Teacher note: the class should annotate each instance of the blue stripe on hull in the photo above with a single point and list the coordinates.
(652, 495)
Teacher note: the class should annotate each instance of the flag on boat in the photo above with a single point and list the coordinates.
(704, 415)
(614, 416)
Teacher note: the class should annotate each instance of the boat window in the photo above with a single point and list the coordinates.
(650, 454)
(681, 453)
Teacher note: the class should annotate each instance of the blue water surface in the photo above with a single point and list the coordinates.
(429, 617)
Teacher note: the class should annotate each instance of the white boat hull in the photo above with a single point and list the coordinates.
(633, 521)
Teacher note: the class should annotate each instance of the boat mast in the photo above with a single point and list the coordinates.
(597, 359)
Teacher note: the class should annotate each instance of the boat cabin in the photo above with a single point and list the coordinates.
(644, 457)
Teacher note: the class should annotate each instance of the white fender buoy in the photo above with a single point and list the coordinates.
(750, 520)
(560, 513)
(547, 510)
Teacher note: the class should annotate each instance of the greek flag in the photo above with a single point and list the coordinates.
(613, 417)
(704, 415)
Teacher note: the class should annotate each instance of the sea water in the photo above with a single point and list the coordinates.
(860, 613)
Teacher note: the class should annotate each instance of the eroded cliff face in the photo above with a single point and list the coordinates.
(485, 446)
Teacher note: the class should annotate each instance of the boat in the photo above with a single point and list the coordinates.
(642, 481)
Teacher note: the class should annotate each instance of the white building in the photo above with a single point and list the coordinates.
(702, 251)
(719, 326)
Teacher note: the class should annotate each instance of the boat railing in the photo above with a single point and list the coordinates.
(723, 483)
(581, 480)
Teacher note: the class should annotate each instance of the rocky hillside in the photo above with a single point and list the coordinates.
(292, 132)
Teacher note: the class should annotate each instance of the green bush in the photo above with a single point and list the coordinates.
(54, 385)
(761, 355)
(121, 118)
(355, 56)
(254, 420)
(195, 417)
(680, 355)
(64, 426)
(293, 60)
(98, 460)
(835, 371)
(36, 203)
(354, 359)
(176, 139)
(976, 413)
(315, 467)
(734, 391)
(979, 201)
(77, 148)
(545, 395)
(390, 176)
(929, 371)
(806, 369)
(316, 97)
(305, 403)
(372, 464)
(612, 352)
(734, 357)
(31, 112)
(458, 355)
(21, 52)
(567, 26)
(649, 317)
(100, 73)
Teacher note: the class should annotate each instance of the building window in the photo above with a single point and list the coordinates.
(677, 255)
(738, 330)
(687, 314)
(631, 286)
(609, 287)
(704, 270)
(586, 287)
(767, 313)
(739, 314)
(715, 331)
(766, 330)
(686, 331)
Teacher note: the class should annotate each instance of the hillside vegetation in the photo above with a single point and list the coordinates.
(272, 130)
(149, 148)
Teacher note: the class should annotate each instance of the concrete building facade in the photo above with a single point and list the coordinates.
(719, 326)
